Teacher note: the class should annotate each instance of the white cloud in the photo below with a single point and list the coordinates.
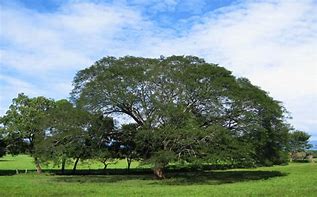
(9, 82)
(71, 36)
(9, 88)
(273, 43)
(40, 52)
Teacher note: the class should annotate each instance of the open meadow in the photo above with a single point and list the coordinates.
(295, 179)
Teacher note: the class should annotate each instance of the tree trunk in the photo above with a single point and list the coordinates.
(105, 165)
(63, 165)
(129, 160)
(37, 165)
(75, 165)
(158, 172)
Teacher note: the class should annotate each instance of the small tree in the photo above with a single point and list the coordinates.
(298, 142)
(67, 135)
(24, 125)
(128, 144)
(103, 139)
(106, 156)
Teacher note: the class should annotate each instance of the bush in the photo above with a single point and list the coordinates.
(298, 156)
(313, 153)
(302, 161)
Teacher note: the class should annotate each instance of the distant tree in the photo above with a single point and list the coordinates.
(180, 104)
(24, 125)
(298, 142)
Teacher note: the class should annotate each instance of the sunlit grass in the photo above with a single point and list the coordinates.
(296, 179)
(22, 162)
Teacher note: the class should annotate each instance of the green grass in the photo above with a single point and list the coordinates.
(296, 179)
(22, 162)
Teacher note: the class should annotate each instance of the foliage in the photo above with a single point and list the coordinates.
(298, 141)
(76, 134)
(102, 139)
(24, 125)
(180, 103)
(313, 153)
(128, 142)
(65, 136)
(180, 109)
(298, 144)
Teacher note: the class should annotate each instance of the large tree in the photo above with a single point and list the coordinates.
(24, 125)
(181, 104)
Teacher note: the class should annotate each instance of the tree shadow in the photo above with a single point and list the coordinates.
(184, 176)
(177, 178)
(219, 177)
(11, 172)
(7, 172)
(101, 178)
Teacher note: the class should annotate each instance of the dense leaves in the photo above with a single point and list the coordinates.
(24, 125)
(181, 103)
(177, 109)
(298, 142)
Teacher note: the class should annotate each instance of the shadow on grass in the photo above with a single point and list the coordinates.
(176, 178)
(181, 176)
(14, 172)
(220, 177)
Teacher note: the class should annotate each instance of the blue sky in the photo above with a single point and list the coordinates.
(43, 43)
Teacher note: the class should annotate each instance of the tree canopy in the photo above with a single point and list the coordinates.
(25, 126)
(184, 107)
(298, 142)
(177, 109)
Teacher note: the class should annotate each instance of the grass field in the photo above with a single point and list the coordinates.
(22, 162)
(296, 179)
